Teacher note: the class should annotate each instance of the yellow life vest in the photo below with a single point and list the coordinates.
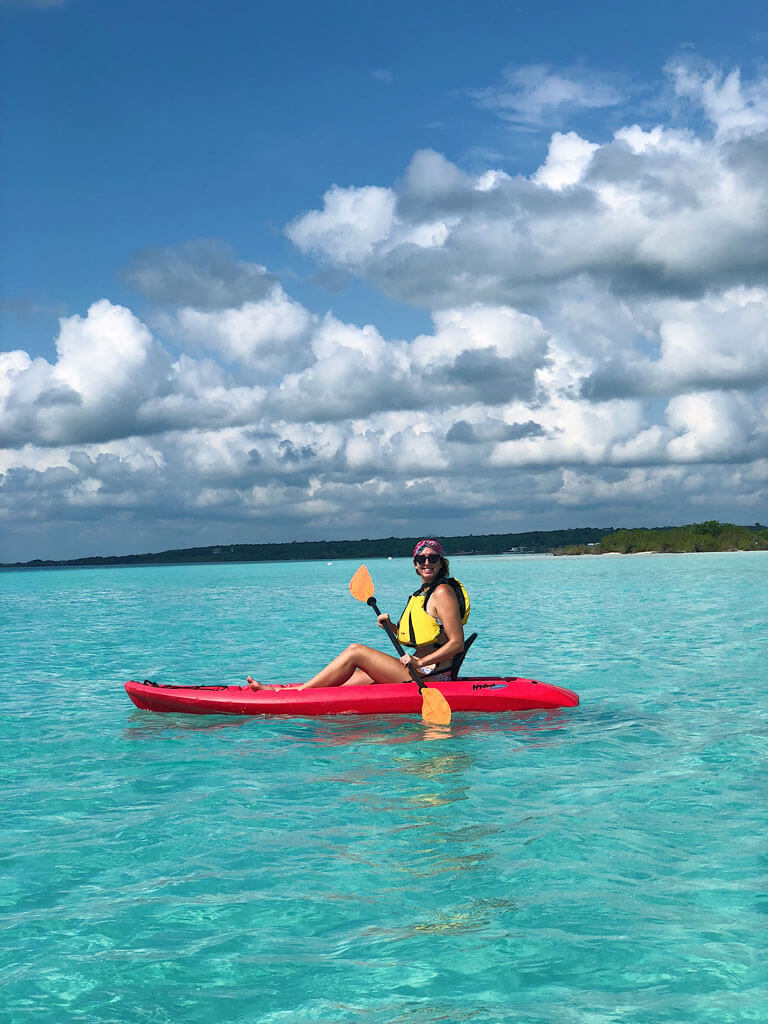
(417, 628)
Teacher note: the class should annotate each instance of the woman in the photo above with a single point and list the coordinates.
(431, 623)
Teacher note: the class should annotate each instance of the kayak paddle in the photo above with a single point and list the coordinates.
(435, 709)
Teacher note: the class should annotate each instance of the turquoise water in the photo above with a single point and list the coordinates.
(602, 864)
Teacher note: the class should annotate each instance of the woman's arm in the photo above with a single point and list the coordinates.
(384, 621)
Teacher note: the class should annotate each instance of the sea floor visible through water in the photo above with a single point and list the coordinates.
(605, 863)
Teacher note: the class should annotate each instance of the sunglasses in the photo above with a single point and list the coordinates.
(423, 559)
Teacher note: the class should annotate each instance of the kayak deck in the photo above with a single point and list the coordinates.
(480, 693)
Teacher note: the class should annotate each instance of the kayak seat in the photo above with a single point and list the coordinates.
(456, 663)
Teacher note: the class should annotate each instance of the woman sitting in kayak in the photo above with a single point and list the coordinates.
(431, 623)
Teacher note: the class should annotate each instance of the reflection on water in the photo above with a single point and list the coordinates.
(150, 724)
(342, 730)
(437, 764)
(436, 732)
(474, 916)
(339, 730)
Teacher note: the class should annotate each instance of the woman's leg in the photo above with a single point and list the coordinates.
(357, 665)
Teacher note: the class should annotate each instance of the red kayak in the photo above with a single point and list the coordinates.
(483, 693)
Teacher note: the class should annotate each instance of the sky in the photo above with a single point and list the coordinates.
(336, 270)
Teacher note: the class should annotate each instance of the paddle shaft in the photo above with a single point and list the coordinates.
(398, 646)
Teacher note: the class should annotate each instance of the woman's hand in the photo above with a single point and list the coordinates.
(384, 621)
(410, 662)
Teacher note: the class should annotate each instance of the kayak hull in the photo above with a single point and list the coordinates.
(481, 693)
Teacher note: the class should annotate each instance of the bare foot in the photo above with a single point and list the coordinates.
(254, 685)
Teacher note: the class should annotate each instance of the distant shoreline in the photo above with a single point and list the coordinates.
(694, 538)
(531, 542)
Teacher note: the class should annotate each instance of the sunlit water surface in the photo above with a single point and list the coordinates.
(605, 863)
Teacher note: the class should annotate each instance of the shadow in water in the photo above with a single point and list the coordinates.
(344, 730)
(150, 724)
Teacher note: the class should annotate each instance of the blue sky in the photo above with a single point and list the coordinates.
(300, 270)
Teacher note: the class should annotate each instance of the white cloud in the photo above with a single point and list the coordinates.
(477, 354)
(354, 372)
(537, 94)
(567, 160)
(104, 353)
(718, 341)
(351, 222)
(574, 433)
(635, 486)
(265, 336)
(711, 426)
(107, 364)
(734, 108)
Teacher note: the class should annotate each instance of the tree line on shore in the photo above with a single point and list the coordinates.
(537, 541)
(709, 536)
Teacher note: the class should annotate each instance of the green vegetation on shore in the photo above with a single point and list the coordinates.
(534, 542)
(709, 536)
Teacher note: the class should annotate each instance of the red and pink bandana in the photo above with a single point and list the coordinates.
(429, 543)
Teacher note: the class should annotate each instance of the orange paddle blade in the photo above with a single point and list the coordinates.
(435, 709)
(361, 584)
